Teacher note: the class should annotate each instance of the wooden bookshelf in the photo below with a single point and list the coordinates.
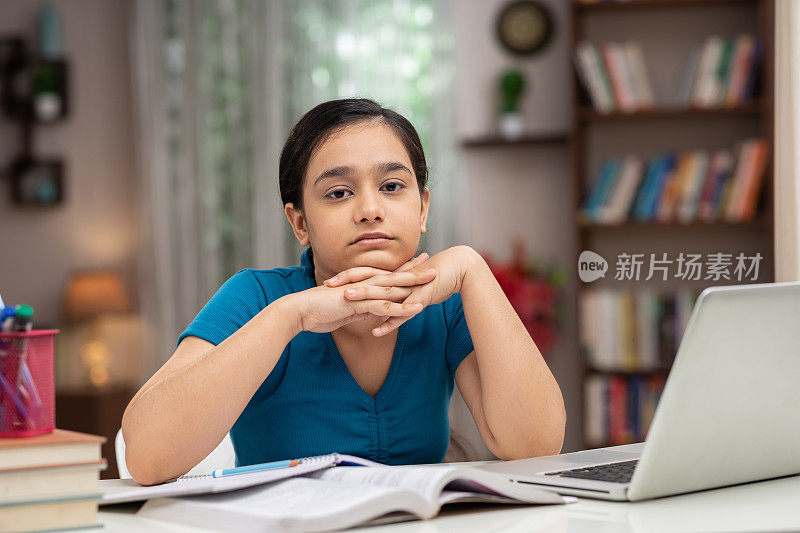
(605, 19)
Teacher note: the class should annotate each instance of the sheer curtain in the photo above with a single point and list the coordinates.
(787, 141)
(399, 53)
(219, 83)
(209, 128)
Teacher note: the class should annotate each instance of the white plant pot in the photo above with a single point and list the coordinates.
(512, 125)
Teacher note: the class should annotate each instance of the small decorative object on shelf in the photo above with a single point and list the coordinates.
(524, 27)
(37, 182)
(535, 291)
(512, 122)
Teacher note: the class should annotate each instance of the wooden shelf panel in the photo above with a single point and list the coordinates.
(603, 6)
(661, 371)
(761, 222)
(526, 140)
(588, 114)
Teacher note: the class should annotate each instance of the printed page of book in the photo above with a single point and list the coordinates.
(296, 504)
(430, 481)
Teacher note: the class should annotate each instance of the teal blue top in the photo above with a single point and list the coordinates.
(310, 404)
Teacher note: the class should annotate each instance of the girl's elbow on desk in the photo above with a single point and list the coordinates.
(548, 441)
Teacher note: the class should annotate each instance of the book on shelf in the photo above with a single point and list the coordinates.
(685, 187)
(720, 72)
(614, 76)
(630, 331)
(50, 481)
(619, 409)
(344, 496)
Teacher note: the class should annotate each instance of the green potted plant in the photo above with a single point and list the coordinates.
(512, 86)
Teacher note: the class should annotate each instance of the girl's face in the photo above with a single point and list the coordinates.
(360, 180)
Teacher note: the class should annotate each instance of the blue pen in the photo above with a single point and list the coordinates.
(254, 468)
(10, 393)
(6, 324)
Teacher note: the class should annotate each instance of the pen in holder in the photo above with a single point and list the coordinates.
(27, 390)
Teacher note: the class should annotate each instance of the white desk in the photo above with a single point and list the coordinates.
(766, 505)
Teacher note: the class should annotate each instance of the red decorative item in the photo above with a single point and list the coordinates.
(534, 293)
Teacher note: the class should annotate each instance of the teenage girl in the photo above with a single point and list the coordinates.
(356, 350)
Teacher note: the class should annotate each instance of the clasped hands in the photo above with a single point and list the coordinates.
(396, 296)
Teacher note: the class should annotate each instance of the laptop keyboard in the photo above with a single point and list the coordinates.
(613, 472)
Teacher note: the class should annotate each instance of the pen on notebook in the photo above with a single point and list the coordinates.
(254, 468)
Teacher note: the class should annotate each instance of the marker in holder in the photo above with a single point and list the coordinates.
(27, 390)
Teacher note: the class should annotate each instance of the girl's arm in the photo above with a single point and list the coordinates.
(510, 391)
(183, 412)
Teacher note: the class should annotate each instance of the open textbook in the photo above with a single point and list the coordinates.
(345, 496)
(127, 490)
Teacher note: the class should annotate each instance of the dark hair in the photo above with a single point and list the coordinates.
(326, 119)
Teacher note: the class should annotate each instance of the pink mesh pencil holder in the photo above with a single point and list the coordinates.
(27, 391)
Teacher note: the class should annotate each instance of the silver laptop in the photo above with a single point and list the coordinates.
(729, 413)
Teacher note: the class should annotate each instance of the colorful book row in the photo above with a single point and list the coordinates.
(615, 76)
(629, 331)
(720, 72)
(688, 186)
(619, 409)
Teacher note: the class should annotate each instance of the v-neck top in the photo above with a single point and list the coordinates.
(310, 403)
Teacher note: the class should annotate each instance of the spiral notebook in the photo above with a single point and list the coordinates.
(128, 490)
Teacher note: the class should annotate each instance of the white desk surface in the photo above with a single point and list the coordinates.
(766, 505)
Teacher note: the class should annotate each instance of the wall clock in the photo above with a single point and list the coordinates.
(524, 27)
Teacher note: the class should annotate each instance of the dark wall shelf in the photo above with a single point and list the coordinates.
(527, 140)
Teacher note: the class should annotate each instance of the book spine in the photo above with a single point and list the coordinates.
(742, 58)
(617, 77)
(641, 78)
(705, 89)
(751, 196)
(723, 72)
(689, 77)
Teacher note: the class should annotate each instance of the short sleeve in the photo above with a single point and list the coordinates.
(459, 341)
(239, 299)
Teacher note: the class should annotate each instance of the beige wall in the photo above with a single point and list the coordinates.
(521, 191)
(97, 224)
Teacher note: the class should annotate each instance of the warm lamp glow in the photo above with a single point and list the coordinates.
(87, 297)
(90, 294)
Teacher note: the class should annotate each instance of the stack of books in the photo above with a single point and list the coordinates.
(633, 331)
(50, 481)
(619, 409)
(689, 186)
(721, 72)
(615, 76)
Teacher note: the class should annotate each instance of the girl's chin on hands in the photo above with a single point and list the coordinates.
(449, 267)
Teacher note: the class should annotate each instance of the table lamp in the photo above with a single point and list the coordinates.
(90, 295)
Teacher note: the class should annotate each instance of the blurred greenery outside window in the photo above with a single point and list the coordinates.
(381, 49)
